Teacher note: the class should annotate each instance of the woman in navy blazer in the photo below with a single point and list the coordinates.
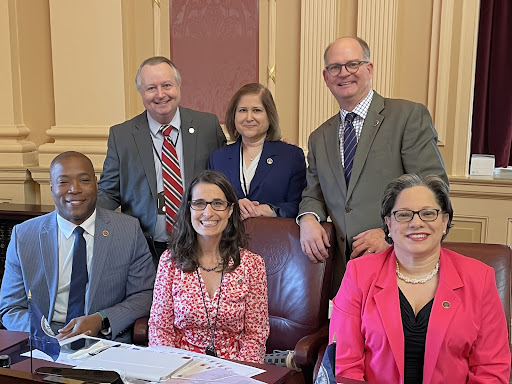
(416, 312)
(267, 174)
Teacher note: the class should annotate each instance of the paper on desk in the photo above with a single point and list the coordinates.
(215, 375)
(212, 362)
(137, 363)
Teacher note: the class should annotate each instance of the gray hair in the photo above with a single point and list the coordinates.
(155, 60)
(362, 43)
(432, 182)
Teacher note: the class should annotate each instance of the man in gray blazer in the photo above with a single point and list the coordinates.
(132, 171)
(40, 257)
(393, 137)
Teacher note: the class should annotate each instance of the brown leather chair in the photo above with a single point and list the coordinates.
(298, 290)
(498, 256)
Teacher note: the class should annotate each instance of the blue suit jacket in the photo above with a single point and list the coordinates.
(121, 275)
(279, 179)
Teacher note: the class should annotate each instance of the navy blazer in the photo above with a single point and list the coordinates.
(279, 179)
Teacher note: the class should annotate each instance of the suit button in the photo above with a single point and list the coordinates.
(348, 209)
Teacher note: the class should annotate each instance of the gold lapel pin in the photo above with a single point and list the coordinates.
(191, 130)
(269, 161)
(376, 122)
(446, 304)
(105, 233)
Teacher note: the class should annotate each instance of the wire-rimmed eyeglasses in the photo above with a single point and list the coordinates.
(217, 205)
(351, 67)
(406, 215)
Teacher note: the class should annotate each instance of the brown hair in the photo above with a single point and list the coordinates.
(274, 132)
(183, 243)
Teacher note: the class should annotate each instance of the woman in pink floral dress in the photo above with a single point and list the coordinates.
(210, 292)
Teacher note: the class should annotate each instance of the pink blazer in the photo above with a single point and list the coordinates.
(467, 337)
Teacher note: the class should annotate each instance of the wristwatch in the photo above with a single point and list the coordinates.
(105, 323)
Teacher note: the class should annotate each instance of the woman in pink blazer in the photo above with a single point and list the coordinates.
(417, 312)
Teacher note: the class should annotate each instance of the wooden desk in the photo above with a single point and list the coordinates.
(13, 343)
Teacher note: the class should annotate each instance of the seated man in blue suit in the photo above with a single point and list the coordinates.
(89, 270)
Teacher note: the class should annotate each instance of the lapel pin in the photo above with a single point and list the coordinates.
(269, 161)
(191, 130)
(446, 304)
(376, 122)
(105, 233)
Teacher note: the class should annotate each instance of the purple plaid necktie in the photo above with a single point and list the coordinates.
(349, 144)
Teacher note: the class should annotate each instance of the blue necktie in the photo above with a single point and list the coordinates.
(349, 144)
(79, 277)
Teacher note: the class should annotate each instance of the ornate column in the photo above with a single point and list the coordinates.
(94, 57)
(318, 29)
(376, 24)
(24, 108)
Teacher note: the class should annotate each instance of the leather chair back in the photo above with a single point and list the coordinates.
(499, 257)
(298, 289)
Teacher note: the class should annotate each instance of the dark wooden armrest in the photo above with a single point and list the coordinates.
(306, 350)
(140, 331)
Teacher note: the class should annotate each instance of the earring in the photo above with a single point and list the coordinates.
(444, 232)
(389, 234)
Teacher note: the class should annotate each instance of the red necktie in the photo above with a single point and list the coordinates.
(173, 184)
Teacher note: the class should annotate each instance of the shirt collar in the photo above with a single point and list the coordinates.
(360, 109)
(67, 227)
(154, 126)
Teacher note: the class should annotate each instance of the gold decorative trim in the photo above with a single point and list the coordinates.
(272, 32)
(157, 2)
(272, 73)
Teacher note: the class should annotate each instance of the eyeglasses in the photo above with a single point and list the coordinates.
(351, 67)
(406, 215)
(217, 205)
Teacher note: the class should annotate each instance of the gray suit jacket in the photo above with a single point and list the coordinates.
(397, 137)
(121, 275)
(128, 178)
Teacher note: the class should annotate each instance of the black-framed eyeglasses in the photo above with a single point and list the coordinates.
(351, 67)
(406, 215)
(217, 205)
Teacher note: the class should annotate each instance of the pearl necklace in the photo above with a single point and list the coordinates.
(416, 281)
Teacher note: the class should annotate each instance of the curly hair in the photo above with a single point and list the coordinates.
(183, 240)
(432, 182)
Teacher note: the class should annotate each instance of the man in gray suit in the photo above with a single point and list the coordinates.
(393, 137)
(132, 171)
(40, 258)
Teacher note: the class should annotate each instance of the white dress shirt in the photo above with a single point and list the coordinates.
(66, 240)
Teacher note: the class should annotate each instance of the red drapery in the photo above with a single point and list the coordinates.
(492, 106)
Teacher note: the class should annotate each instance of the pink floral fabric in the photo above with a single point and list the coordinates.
(178, 317)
